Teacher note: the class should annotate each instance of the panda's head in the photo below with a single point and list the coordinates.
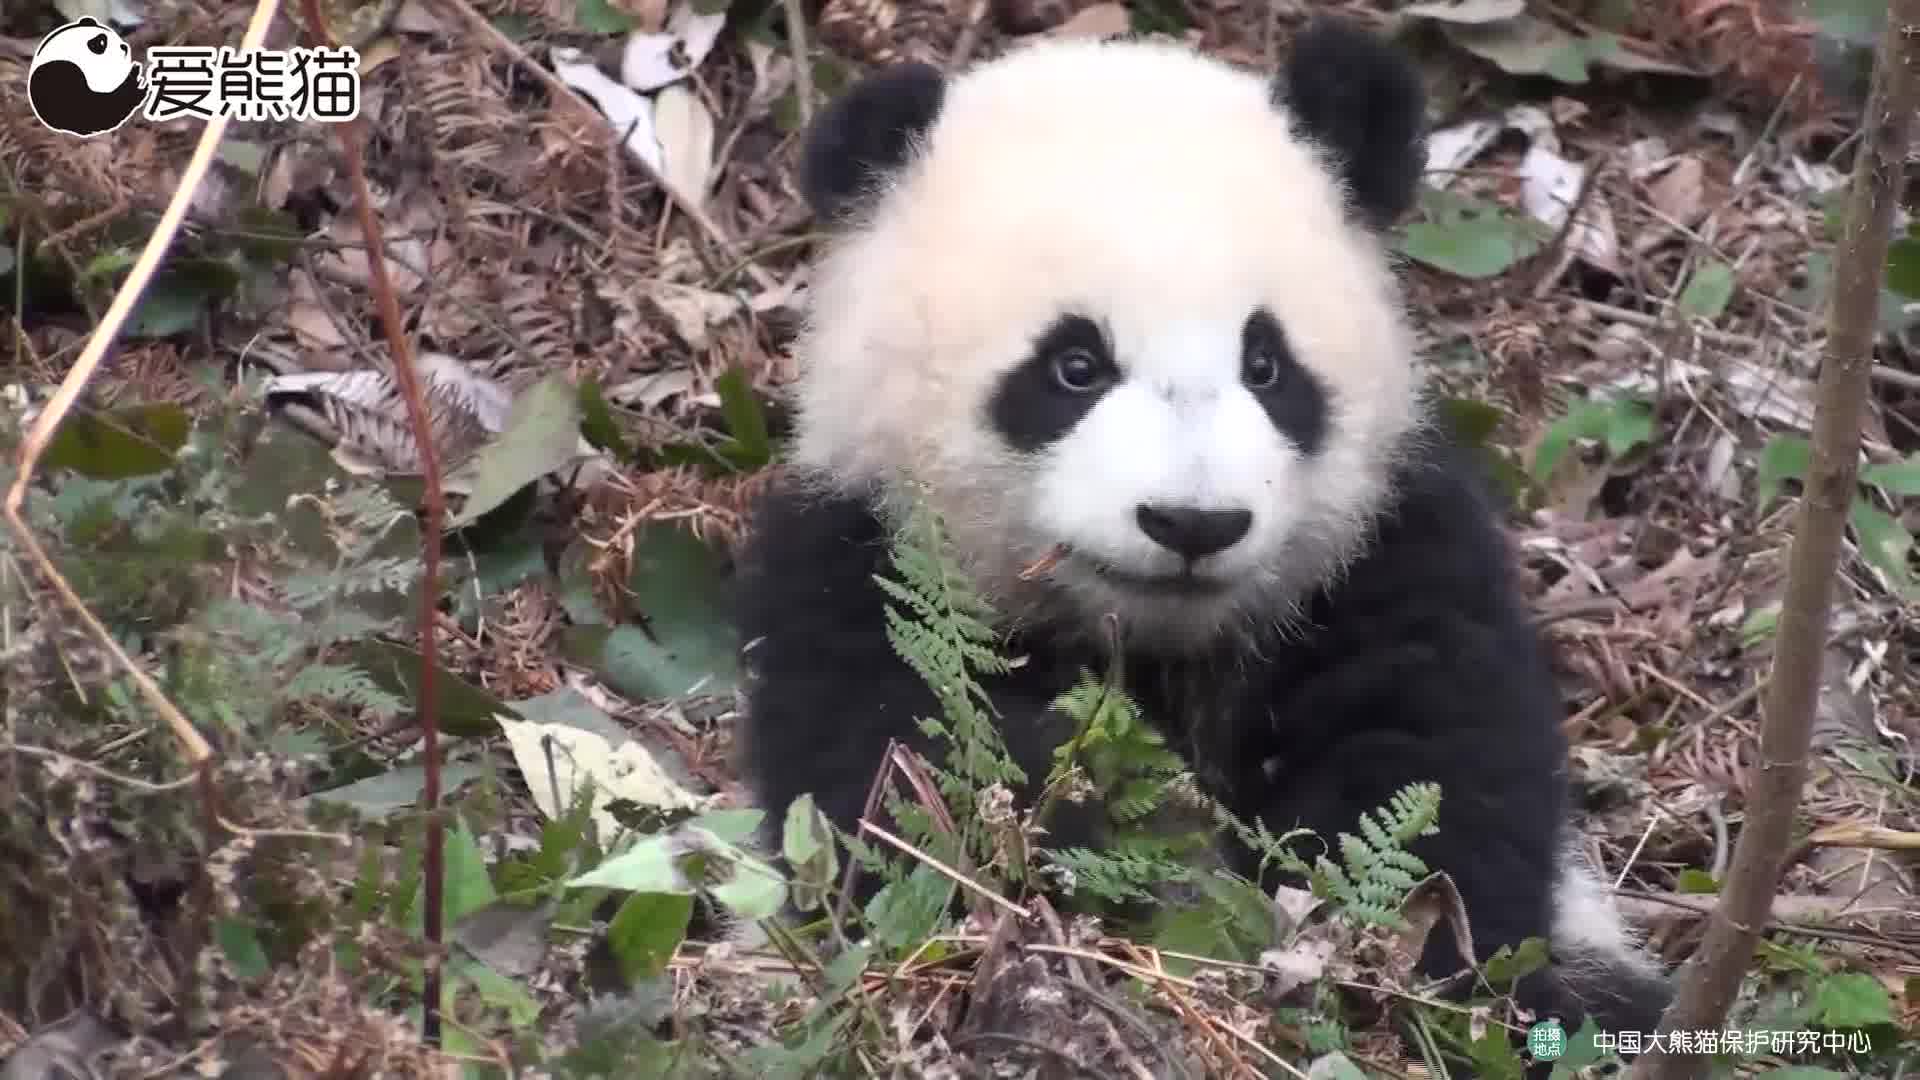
(101, 55)
(1124, 304)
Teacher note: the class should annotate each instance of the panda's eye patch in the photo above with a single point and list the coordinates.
(1067, 371)
(97, 44)
(1294, 399)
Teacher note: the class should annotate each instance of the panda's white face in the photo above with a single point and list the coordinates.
(1116, 307)
(102, 55)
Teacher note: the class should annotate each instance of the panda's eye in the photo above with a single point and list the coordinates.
(97, 44)
(1260, 371)
(1078, 369)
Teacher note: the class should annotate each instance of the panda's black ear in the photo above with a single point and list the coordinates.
(1360, 97)
(866, 134)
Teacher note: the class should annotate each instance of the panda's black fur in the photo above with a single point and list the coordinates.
(1419, 663)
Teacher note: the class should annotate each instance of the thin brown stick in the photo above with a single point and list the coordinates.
(353, 139)
(1711, 979)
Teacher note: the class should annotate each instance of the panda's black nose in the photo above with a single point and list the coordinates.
(1191, 531)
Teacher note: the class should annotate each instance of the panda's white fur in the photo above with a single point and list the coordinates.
(1164, 196)
(103, 70)
(1041, 153)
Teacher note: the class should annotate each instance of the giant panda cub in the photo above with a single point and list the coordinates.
(1122, 311)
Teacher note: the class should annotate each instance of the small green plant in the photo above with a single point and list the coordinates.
(1468, 237)
(1621, 423)
(1376, 871)
(1884, 541)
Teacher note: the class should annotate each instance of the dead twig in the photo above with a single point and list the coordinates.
(1711, 979)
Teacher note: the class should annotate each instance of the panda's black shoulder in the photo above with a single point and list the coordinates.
(1440, 540)
(1433, 604)
(807, 571)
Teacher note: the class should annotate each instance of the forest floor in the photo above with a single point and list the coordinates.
(1644, 378)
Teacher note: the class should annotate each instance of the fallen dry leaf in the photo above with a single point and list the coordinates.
(651, 61)
(1684, 571)
(1550, 186)
(627, 112)
(692, 310)
(1680, 193)
(1100, 20)
(684, 128)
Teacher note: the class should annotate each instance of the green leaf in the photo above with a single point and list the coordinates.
(136, 440)
(596, 421)
(908, 911)
(1335, 1066)
(240, 944)
(1472, 422)
(464, 708)
(378, 796)
(646, 930)
(1483, 246)
(601, 17)
(1629, 424)
(1785, 457)
(1583, 1051)
(174, 300)
(1584, 419)
(1856, 21)
(1852, 1000)
(1759, 624)
(746, 421)
(687, 644)
(1903, 268)
(1884, 542)
(1698, 882)
(735, 825)
(1509, 965)
(1708, 291)
(1528, 45)
(647, 866)
(1901, 479)
(755, 890)
(541, 435)
(807, 842)
(467, 888)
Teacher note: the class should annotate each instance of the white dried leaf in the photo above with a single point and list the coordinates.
(1467, 11)
(1453, 148)
(628, 112)
(684, 128)
(1549, 188)
(649, 392)
(651, 61)
(367, 409)
(692, 310)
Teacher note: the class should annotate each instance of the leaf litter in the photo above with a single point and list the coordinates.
(528, 252)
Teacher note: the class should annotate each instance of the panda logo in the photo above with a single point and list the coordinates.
(84, 80)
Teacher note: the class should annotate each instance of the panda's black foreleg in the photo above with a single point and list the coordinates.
(1495, 841)
(828, 691)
